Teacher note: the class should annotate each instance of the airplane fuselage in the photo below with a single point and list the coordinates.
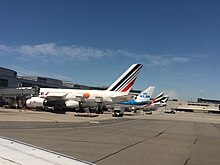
(88, 98)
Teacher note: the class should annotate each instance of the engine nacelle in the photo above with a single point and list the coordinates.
(72, 104)
(35, 102)
(70, 96)
(54, 103)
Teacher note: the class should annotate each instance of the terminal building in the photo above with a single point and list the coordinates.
(10, 79)
(190, 106)
(16, 88)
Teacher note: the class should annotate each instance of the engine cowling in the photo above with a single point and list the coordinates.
(72, 104)
(35, 102)
(54, 103)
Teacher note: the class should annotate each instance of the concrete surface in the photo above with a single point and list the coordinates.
(181, 138)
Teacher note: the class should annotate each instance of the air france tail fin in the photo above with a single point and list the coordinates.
(125, 82)
(146, 94)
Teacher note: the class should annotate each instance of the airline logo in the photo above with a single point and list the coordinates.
(126, 81)
(144, 95)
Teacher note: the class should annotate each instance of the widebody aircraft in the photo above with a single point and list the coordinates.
(142, 99)
(79, 98)
(159, 101)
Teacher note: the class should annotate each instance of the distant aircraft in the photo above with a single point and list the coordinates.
(142, 99)
(78, 98)
(159, 101)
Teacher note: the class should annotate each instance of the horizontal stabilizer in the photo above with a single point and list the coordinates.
(55, 96)
(123, 98)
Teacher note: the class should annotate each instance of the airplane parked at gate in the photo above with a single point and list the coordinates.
(142, 99)
(78, 98)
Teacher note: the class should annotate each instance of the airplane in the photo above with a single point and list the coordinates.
(142, 99)
(79, 98)
(159, 101)
(35, 102)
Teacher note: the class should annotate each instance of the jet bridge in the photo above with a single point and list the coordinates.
(16, 97)
(12, 92)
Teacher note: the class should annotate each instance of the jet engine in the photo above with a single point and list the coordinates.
(72, 104)
(34, 102)
(54, 103)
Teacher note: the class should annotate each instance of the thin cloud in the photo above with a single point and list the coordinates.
(38, 50)
(54, 52)
(4, 48)
(166, 59)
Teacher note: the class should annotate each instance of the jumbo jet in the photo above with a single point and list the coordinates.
(78, 98)
(142, 99)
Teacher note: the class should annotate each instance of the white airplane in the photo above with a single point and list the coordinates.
(142, 99)
(78, 98)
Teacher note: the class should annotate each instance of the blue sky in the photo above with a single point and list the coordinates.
(92, 42)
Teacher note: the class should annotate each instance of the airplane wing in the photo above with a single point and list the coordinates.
(56, 96)
(15, 152)
(122, 98)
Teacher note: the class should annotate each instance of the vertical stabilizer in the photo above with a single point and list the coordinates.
(146, 94)
(158, 97)
(125, 82)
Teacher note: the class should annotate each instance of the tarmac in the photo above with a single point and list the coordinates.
(181, 138)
